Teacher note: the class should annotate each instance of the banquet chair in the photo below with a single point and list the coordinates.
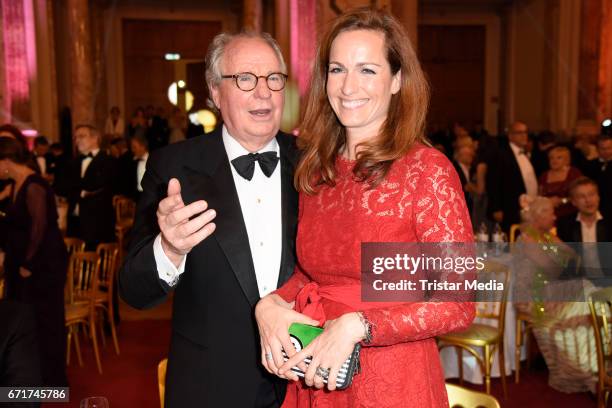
(161, 380)
(485, 336)
(515, 230)
(523, 331)
(74, 245)
(81, 291)
(459, 397)
(125, 211)
(600, 304)
(108, 253)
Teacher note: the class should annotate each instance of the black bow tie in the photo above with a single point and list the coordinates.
(245, 165)
(85, 156)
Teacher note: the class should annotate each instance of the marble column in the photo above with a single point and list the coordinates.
(252, 17)
(82, 76)
(604, 100)
(565, 64)
(16, 85)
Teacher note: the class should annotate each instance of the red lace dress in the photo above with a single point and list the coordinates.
(421, 200)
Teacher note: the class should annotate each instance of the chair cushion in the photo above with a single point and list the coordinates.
(477, 334)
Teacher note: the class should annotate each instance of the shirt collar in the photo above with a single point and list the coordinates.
(144, 157)
(235, 149)
(517, 150)
(598, 217)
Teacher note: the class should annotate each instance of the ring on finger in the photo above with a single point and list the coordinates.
(268, 356)
(322, 372)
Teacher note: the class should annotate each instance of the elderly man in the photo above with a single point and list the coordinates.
(511, 175)
(216, 223)
(90, 195)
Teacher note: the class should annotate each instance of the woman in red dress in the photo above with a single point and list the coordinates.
(366, 175)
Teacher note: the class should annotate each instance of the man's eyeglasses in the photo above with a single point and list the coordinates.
(247, 81)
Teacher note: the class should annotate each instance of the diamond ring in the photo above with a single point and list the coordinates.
(322, 372)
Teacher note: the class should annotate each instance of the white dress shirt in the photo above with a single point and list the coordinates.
(140, 170)
(115, 129)
(590, 254)
(528, 174)
(466, 171)
(84, 165)
(42, 164)
(260, 202)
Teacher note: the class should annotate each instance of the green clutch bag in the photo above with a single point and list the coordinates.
(301, 335)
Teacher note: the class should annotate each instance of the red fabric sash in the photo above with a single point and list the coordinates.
(328, 302)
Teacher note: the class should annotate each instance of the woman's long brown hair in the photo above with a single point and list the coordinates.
(321, 134)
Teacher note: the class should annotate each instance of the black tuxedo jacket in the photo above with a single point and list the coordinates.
(96, 214)
(215, 353)
(464, 181)
(505, 185)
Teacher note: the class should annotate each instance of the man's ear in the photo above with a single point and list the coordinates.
(214, 95)
(396, 82)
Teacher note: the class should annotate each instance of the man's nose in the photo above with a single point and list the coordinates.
(261, 89)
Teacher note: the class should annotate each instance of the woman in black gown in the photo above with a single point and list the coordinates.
(36, 259)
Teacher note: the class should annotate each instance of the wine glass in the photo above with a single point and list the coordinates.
(94, 402)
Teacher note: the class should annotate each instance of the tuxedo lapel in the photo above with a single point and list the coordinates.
(210, 179)
(289, 205)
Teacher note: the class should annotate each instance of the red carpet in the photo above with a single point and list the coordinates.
(130, 380)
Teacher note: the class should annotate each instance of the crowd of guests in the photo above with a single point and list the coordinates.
(152, 124)
(557, 190)
(496, 171)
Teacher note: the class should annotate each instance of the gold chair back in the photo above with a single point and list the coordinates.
(74, 245)
(125, 209)
(83, 271)
(459, 397)
(600, 304)
(495, 307)
(514, 229)
(108, 253)
(486, 336)
(161, 380)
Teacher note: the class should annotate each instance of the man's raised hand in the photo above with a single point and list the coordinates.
(179, 232)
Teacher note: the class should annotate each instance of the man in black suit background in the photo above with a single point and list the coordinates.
(601, 171)
(511, 175)
(588, 227)
(92, 217)
(140, 150)
(241, 177)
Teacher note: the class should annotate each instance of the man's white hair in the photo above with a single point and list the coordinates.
(217, 48)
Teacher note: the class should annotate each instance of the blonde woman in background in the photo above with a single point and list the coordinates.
(559, 314)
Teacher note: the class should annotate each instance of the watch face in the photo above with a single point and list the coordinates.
(297, 344)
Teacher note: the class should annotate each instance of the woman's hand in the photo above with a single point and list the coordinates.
(330, 349)
(274, 316)
(24, 273)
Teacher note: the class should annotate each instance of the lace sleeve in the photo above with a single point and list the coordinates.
(441, 215)
(291, 288)
(37, 209)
